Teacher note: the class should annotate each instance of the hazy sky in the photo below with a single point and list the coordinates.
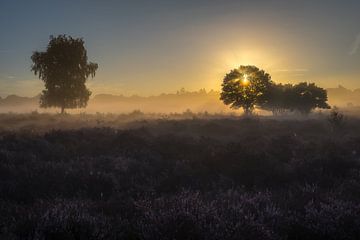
(150, 46)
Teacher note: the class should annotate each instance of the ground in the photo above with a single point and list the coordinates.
(180, 176)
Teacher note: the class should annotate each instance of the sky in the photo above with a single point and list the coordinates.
(147, 47)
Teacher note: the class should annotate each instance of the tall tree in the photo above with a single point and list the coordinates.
(245, 87)
(64, 68)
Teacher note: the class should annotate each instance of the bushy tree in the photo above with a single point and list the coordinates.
(64, 68)
(278, 96)
(307, 96)
(245, 87)
(302, 97)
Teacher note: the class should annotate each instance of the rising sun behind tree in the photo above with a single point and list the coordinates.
(245, 87)
(64, 68)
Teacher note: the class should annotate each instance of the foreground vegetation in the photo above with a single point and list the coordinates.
(180, 177)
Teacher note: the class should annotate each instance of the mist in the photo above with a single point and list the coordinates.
(177, 102)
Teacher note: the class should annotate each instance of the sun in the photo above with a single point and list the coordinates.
(245, 81)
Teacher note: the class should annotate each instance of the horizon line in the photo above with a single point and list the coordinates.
(4, 96)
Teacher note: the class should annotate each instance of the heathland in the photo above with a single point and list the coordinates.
(179, 176)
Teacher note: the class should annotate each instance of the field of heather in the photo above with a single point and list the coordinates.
(184, 176)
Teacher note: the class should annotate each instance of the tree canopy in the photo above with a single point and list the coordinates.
(248, 87)
(302, 97)
(245, 87)
(64, 68)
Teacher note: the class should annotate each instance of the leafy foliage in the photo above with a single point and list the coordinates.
(248, 87)
(302, 97)
(307, 96)
(64, 69)
(245, 87)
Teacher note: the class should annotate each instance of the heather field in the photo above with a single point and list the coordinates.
(178, 176)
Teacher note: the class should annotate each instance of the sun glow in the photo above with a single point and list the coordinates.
(245, 81)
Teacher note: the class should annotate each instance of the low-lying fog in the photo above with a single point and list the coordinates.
(182, 101)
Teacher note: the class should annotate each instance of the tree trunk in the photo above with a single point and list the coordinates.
(247, 111)
(62, 109)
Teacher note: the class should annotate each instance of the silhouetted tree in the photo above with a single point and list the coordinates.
(245, 87)
(277, 101)
(302, 97)
(306, 97)
(64, 68)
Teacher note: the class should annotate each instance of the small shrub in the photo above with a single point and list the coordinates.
(336, 119)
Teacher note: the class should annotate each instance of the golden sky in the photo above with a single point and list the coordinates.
(148, 49)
